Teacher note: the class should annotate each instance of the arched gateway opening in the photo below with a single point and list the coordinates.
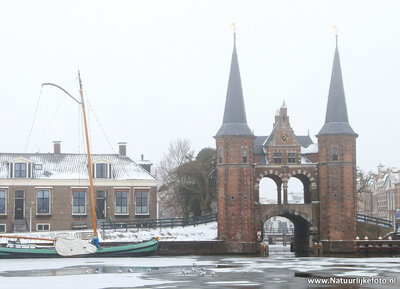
(297, 231)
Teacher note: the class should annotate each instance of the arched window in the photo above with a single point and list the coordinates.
(335, 156)
(244, 155)
(220, 156)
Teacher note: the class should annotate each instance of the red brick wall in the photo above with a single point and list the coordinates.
(337, 187)
(235, 190)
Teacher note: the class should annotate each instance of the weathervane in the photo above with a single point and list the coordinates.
(335, 30)
(234, 28)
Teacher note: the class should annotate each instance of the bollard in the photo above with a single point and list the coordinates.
(266, 250)
(315, 247)
(320, 249)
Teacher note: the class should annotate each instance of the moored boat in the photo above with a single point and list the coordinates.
(28, 250)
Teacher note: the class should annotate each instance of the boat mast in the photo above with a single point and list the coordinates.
(89, 159)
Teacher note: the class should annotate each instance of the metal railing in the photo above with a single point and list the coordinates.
(272, 232)
(374, 220)
(159, 223)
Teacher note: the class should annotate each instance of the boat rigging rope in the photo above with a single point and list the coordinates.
(101, 127)
(34, 118)
(50, 121)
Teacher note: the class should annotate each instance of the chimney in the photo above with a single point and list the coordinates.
(122, 148)
(142, 156)
(57, 147)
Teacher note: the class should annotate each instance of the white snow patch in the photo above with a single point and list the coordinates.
(311, 149)
(203, 232)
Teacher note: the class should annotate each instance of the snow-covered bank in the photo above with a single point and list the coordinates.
(203, 232)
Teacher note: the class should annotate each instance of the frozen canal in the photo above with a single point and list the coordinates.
(276, 271)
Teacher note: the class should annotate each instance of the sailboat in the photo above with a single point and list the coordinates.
(72, 247)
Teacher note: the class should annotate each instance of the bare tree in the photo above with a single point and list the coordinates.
(364, 191)
(364, 181)
(172, 200)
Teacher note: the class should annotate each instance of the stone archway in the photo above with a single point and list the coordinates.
(278, 188)
(299, 215)
(308, 182)
(301, 237)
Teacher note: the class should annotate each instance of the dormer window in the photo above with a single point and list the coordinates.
(102, 169)
(20, 170)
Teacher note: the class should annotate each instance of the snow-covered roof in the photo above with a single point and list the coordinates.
(311, 149)
(305, 160)
(73, 166)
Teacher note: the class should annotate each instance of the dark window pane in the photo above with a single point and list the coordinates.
(335, 154)
(43, 202)
(121, 202)
(277, 157)
(20, 170)
(141, 202)
(79, 202)
(19, 194)
(101, 170)
(2, 205)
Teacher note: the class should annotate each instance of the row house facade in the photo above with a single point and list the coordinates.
(50, 191)
(383, 198)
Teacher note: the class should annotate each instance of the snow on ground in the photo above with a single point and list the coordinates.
(203, 232)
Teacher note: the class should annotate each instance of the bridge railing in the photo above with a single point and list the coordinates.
(374, 220)
(287, 231)
(159, 223)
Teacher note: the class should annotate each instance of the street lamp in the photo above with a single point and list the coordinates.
(30, 216)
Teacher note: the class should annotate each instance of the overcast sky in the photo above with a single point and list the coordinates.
(155, 71)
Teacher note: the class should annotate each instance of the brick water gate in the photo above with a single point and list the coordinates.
(327, 170)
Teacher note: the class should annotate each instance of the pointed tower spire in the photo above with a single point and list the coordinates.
(336, 119)
(235, 121)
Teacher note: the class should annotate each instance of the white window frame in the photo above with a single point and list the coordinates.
(42, 224)
(5, 201)
(72, 201)
(5, 228)
(127, 202)
(102, 161)
(50, 200)
(148, 202)
(21, 160)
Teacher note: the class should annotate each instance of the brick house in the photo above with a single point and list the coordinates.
(327, 170)
(384, 198)
(51, 190)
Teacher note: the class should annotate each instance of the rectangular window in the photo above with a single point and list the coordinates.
(244, 155)
(19, 194)
(20, 170)
(3, 202)
(101, 171)
(220, 156)
(43, 227)
(291, 158)
(277, 158)
(43, 202)
(335, 154)
(142, 204)
(121, 202)
(79, 202)
(2, 228)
